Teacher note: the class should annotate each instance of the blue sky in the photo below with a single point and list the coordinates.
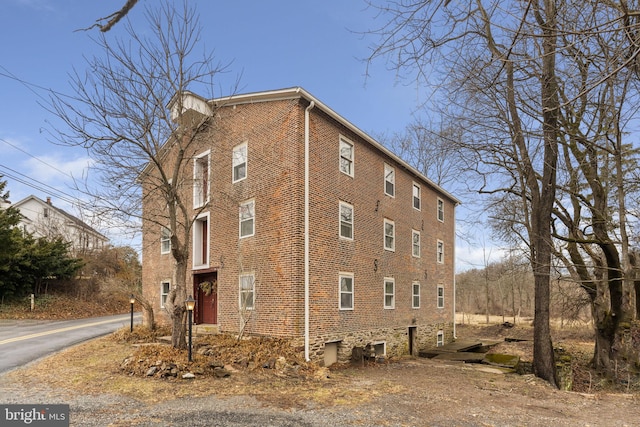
(270, 44)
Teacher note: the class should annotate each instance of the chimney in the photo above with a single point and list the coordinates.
(49, 201)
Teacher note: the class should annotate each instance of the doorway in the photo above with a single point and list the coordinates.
(206, 294)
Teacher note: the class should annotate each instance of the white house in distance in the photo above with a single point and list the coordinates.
(42, 219)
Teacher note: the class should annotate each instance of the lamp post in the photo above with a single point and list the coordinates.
(132, 299)
(190, 303)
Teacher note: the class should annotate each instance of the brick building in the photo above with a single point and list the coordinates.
(307, 228)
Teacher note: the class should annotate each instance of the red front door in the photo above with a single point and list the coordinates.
(206, 298)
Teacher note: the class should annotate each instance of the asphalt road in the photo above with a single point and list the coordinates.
(23, 341)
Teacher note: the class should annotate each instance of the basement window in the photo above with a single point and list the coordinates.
(379, 348)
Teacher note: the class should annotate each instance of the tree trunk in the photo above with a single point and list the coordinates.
(148, 318)
(177, 298)
(636, 285)
(178, 326)
(543, 356)
(604, 336)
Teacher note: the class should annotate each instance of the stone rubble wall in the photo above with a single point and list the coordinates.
(396, 340)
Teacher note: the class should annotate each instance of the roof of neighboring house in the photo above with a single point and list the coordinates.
(76, 221)
(195, 102)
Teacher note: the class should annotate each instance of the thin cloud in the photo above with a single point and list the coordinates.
(38, 5)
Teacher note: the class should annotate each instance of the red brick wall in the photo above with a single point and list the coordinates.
(365, 256)
(274, 176)
(274, 132)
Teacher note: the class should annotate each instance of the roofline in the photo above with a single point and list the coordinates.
(299, 92)
(75, 219)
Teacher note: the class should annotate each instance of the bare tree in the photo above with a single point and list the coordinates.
(127, 115)
(434, 153)
(500, 65)
(600, 96)
(114, 18)
(543, 90)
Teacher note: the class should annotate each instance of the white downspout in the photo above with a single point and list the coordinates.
(306, 230)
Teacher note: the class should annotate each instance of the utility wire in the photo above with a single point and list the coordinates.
(36, 181)
(40, 186)
(34, 157)
(30, 86)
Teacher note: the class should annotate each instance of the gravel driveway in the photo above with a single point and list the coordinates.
(412, 392)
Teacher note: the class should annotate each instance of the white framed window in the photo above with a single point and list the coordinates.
(165, 288)
(165, 240)
(247, 291)
(201, 241)
(346, 156)
(440, 301)
(440, 339)
(415, 243)
(247, 219)
(440, 210)
(440, 252)
(389, 235)
(415, 295)
(346, 221)
(201, 180)
(346, 291)
(417, 196)
(389, 180)
(389, 292)
(239, 162)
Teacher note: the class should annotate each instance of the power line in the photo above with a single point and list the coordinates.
(34, 157)
(40, 186)
(30, 86)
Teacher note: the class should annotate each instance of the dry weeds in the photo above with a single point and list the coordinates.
(62, 307)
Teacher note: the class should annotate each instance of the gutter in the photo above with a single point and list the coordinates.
(306, 230)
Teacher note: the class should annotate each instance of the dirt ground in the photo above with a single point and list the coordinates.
(403, 392)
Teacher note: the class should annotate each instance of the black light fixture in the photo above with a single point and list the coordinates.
(132, 300)
(190, 303)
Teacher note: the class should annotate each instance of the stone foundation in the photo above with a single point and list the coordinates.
(395, 340)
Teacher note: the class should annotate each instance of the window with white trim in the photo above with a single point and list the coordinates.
(415, 243)
(389, 292)
(415, 295)
(201, 180)
(440, 302)
(165, 240)
(201, 241)
(247, 291)
(247, 219)
(440, 252)
(346, 156)
(389, 235)
(346, 221)
(440, 210)
(440, 339)
(417, 196)
(346, 291)
(389, 180)
(165, 288)
(239, 162)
